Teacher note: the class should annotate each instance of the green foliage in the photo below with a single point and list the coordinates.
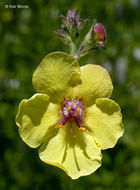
(26, 37)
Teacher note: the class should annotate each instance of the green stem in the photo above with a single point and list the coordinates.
(73, 48)
(79, 54)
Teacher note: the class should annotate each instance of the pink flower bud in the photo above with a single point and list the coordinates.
(99, 34)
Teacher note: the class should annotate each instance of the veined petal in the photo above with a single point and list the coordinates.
(104, 120)
(36, 118)
(96, 83)
(77, 156)
(56, 73)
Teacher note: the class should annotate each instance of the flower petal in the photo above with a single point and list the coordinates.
(56, 73)
(96, 83)
(36, 118)
(77, 156)
(104, 120)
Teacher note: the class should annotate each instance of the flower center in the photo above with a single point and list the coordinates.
(72, 110)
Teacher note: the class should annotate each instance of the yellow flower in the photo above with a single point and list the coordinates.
(71, 116)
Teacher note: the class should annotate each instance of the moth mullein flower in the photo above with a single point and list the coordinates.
(71, 116)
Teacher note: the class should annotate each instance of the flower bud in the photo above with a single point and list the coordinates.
(99, 34)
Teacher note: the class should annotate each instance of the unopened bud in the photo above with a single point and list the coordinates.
(99, 34)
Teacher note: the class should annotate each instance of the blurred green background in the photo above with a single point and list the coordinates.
(26, 36)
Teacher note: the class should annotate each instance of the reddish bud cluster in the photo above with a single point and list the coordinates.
(99, 34)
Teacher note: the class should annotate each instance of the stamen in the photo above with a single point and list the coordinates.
(77, 110)
(59, 125)
(83, 129)
(68, 109)
(72, 103)
(72, 110)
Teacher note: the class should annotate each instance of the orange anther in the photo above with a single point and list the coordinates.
(77, 110)
(84, 129)
(68, 109)
(59, 125)
(72, 103)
